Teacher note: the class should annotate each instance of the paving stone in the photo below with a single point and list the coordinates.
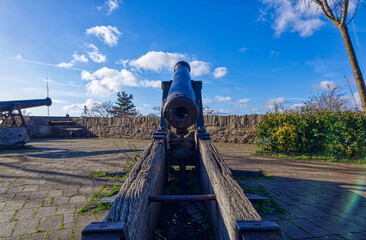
(50, 223)
(84, 220)
(30, 188)
(25, 213)
(310, 227)
(6, 229)
(355, 236)
(55, 193)
(86, 190)
(34, 236)
(297, 212)
(313, 210)
(25, 226)
(3, 190)
(45, 187)
(45, 211)
(77, 232)
(36, 202)
(13, 205)
(70, 192)
(336, 225)
(77, 199)
(6, 196)
(360, 221)
(38, 195)
(21, 196)
(6, 216)
(292, 230)
(69, 220)
(2, 204)
(60, 234)
(65, 208)
(60, 200)
(15, 189)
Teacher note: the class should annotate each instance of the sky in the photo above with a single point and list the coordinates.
(248, 54)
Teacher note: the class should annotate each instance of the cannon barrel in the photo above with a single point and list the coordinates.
(21, 104)
(180, 109)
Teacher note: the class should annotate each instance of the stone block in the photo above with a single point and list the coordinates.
(50, 223)
(25, 226)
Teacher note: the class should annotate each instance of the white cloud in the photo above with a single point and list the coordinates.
(220, 72)
(199, 68)
(223, 99)
(105, 81)
(75, 58)
(243, 49)
(294, 16)
(244, 100)
(206, 100)
(255, 110)
(274, 53)
(19, 57)
(270, 103)
(107, 34)
(298, 106)
(146, 105)
(325, 85)
(156, 61)
(59, 101)
(221, 111)
(95, 55)
(79, 108)
(165, 61)
(111, 5)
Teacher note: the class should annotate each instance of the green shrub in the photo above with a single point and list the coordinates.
(334, 134)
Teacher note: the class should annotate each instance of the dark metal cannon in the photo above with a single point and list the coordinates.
(180, 109)
(22, 104)
(16, 132)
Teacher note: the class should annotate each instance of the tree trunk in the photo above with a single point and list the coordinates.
(354, 64)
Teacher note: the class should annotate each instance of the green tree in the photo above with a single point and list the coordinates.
(124, 107)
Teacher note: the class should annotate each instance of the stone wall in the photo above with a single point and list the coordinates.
(239, 129)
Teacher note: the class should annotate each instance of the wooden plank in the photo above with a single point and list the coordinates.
(231, 204)
(132, 204)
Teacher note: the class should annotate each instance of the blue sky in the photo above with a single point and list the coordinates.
(248, 54)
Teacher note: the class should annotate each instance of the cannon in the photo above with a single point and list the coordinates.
(181, 140)
(16, 133)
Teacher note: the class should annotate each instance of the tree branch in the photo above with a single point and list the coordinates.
(354, 14)
(323, 9)
(327, 8)
(345, 10)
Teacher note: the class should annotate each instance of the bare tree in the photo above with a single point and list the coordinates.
(337, 11)
(330, 100)
(104, 109)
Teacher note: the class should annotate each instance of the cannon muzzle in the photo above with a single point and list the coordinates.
(180, 109)
(21, 104)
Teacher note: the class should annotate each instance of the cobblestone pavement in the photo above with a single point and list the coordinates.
(323, 200)
(43, 187)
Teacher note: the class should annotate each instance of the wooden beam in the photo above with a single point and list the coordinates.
(231, 204)
(132, 204)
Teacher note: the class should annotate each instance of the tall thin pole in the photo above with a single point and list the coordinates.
(48, 95)
(353, 96)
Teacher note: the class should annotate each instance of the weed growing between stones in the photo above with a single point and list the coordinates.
(112, 187)
(266, 207)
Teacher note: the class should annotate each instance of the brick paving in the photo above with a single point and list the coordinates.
(323, 200)
(43, 187)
